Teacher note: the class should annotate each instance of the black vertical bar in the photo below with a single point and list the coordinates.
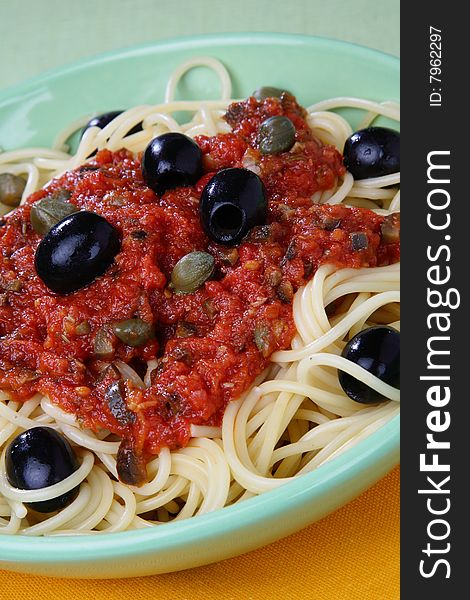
(435, 131)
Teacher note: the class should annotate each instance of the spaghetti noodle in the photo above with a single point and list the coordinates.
(294, 417)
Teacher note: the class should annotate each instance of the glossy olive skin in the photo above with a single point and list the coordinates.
(171, 160)
(232, 202)
(40, 457)
(104, 119)
(376, 349)
(76, 251)
(372, 152)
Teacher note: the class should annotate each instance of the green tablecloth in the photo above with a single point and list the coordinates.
(36, 35)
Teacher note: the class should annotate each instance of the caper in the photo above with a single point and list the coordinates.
(276, 135)
(11, 189)
(268, 92)
(359, 240)
(262, 338)
(83, 328)
(48, 211)
(191, 271)
(103, 346)
(133, 332)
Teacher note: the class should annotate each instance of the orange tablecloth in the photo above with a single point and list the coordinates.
(352, 554)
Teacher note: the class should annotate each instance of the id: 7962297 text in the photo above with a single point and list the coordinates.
(435, 66)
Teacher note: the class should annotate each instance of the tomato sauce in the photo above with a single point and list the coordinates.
(209, 345)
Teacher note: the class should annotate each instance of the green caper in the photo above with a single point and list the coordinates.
(61, 194)
(276, 135)
(48, 211)
(192, 271)
(268, 92)
(133, 332)
(83, 328)
(103, 345)
(11, 189)
(262, 338)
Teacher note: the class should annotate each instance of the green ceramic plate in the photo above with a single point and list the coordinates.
(31, 114)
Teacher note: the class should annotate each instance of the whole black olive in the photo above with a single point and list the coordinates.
(76, 251)
(102, 120)
(376, 349)
(372, 152)
(171, 160)
(38, 458)
(232, 202)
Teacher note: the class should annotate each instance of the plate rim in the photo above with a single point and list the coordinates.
(186, 42)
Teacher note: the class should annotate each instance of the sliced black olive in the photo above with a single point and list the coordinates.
(227, 255)
(102, 120)
(359, 240)
(390, 229)
(171, 160)
(115, 397)
(276, 135)
(268, 92)
(130, 465)
(329, 223)
(232, 202)
(372, 152)
(376, 349)
(139, 234)
(76, 251)
(39, 458)
(11, 189)
(133, 332)
(185, 329)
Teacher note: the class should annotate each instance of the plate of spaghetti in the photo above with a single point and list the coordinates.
(199, 300)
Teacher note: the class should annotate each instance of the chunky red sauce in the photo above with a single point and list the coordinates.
(211, 344)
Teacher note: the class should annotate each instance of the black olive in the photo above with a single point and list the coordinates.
(76, 251)
(102, 120)
(376, 349)
(359, 240)
(372, 152)
(232, 202)
(171, 160)
(38, 458)
(115, 397)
